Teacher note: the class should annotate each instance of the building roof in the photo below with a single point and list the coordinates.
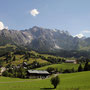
(25, 63)
(38, 72)
(70, 60)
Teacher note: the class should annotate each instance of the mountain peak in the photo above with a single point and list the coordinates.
(37, 27)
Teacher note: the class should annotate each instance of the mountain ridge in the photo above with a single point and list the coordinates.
(42, 39)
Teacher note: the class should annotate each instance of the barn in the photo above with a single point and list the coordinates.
(71, 61)
(38, 74)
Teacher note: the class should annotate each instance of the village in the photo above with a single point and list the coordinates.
(30, 73)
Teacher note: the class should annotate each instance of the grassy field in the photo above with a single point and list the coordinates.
(20, 59)
(61, 66)
(73, 81)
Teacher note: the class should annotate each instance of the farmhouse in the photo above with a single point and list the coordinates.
(38, 74)
(71, 61)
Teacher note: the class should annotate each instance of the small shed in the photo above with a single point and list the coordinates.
(71, 61)
(38, 74)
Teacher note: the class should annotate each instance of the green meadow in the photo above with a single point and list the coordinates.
(72, 81)
(62, 66)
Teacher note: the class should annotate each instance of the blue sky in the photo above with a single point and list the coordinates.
(71, 15)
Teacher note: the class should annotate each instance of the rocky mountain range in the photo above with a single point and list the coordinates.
(41, 39)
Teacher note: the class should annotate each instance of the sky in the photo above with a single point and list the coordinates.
(70, 15)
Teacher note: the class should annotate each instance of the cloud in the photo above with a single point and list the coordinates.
(86, 31)
(1, 25)
(34, 12)
(83, 33)
(79, 35)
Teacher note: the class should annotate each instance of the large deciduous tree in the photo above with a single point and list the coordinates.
(55, 81)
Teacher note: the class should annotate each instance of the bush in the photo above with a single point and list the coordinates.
(51, 70)
(5, 73)
(55, 81)
(67, 71)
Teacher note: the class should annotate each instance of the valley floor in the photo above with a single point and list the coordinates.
(72, 81)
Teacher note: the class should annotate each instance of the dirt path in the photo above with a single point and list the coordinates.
(20, 81)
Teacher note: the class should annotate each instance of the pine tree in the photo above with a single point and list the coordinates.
(86, 66)
(80, 68)
(14, 58)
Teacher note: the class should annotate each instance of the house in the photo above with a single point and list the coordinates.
(2, 70)
(71, 61)
(37, 74)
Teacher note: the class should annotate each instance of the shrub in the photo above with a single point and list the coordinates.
(66, 71)
(5, 73)
(51, 70)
